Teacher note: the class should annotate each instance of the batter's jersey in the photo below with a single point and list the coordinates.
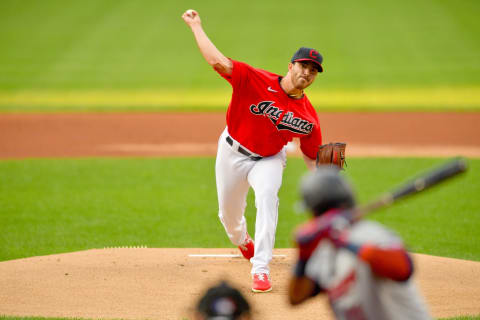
(263, 118)
(354, 292)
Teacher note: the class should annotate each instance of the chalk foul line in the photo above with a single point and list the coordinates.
(226, 255)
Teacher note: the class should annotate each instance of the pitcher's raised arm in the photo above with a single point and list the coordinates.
(211, 54)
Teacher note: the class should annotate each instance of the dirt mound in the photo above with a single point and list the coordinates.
(145, 283)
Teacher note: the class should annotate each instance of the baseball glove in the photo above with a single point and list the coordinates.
(332, 154)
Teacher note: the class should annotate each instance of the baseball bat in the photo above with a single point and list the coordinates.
(423, 182)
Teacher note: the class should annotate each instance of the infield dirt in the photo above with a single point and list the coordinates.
(196, 134)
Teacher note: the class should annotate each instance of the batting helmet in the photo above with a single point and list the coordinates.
(326, 189)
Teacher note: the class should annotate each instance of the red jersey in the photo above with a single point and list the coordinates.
(263, 118)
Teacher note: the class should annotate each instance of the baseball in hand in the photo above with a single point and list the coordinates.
(191, 14)
(191, 17)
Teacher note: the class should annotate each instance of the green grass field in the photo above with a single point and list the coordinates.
(145, 44)
(104, 54)
(53, 206)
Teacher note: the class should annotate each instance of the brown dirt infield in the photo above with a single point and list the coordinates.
(165, 283)
(193, 134)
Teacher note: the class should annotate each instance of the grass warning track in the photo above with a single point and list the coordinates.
(385, 99)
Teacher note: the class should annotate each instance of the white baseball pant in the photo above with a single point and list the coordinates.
(235, 173)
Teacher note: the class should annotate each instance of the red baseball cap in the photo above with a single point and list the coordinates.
(309, 54)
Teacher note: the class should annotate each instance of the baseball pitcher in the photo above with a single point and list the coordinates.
(266, 111)
(362, 267)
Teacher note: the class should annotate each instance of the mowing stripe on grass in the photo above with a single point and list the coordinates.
(435, 98)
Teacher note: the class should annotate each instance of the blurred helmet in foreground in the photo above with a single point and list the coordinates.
(325, 189)
(223, 302)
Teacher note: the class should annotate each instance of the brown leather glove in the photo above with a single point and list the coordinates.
(332, 154)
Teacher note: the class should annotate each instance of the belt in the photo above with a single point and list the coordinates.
(243, 151)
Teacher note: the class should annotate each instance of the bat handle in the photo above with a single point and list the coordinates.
(383, 201)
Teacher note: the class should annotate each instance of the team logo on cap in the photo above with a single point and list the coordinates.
(314, 54)
(288, 121)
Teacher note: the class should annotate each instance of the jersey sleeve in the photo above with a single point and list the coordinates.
(393, 263)
(309, 144)
(239, 74)
(381, 249)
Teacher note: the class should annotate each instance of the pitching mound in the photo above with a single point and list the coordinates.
(165, 284)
